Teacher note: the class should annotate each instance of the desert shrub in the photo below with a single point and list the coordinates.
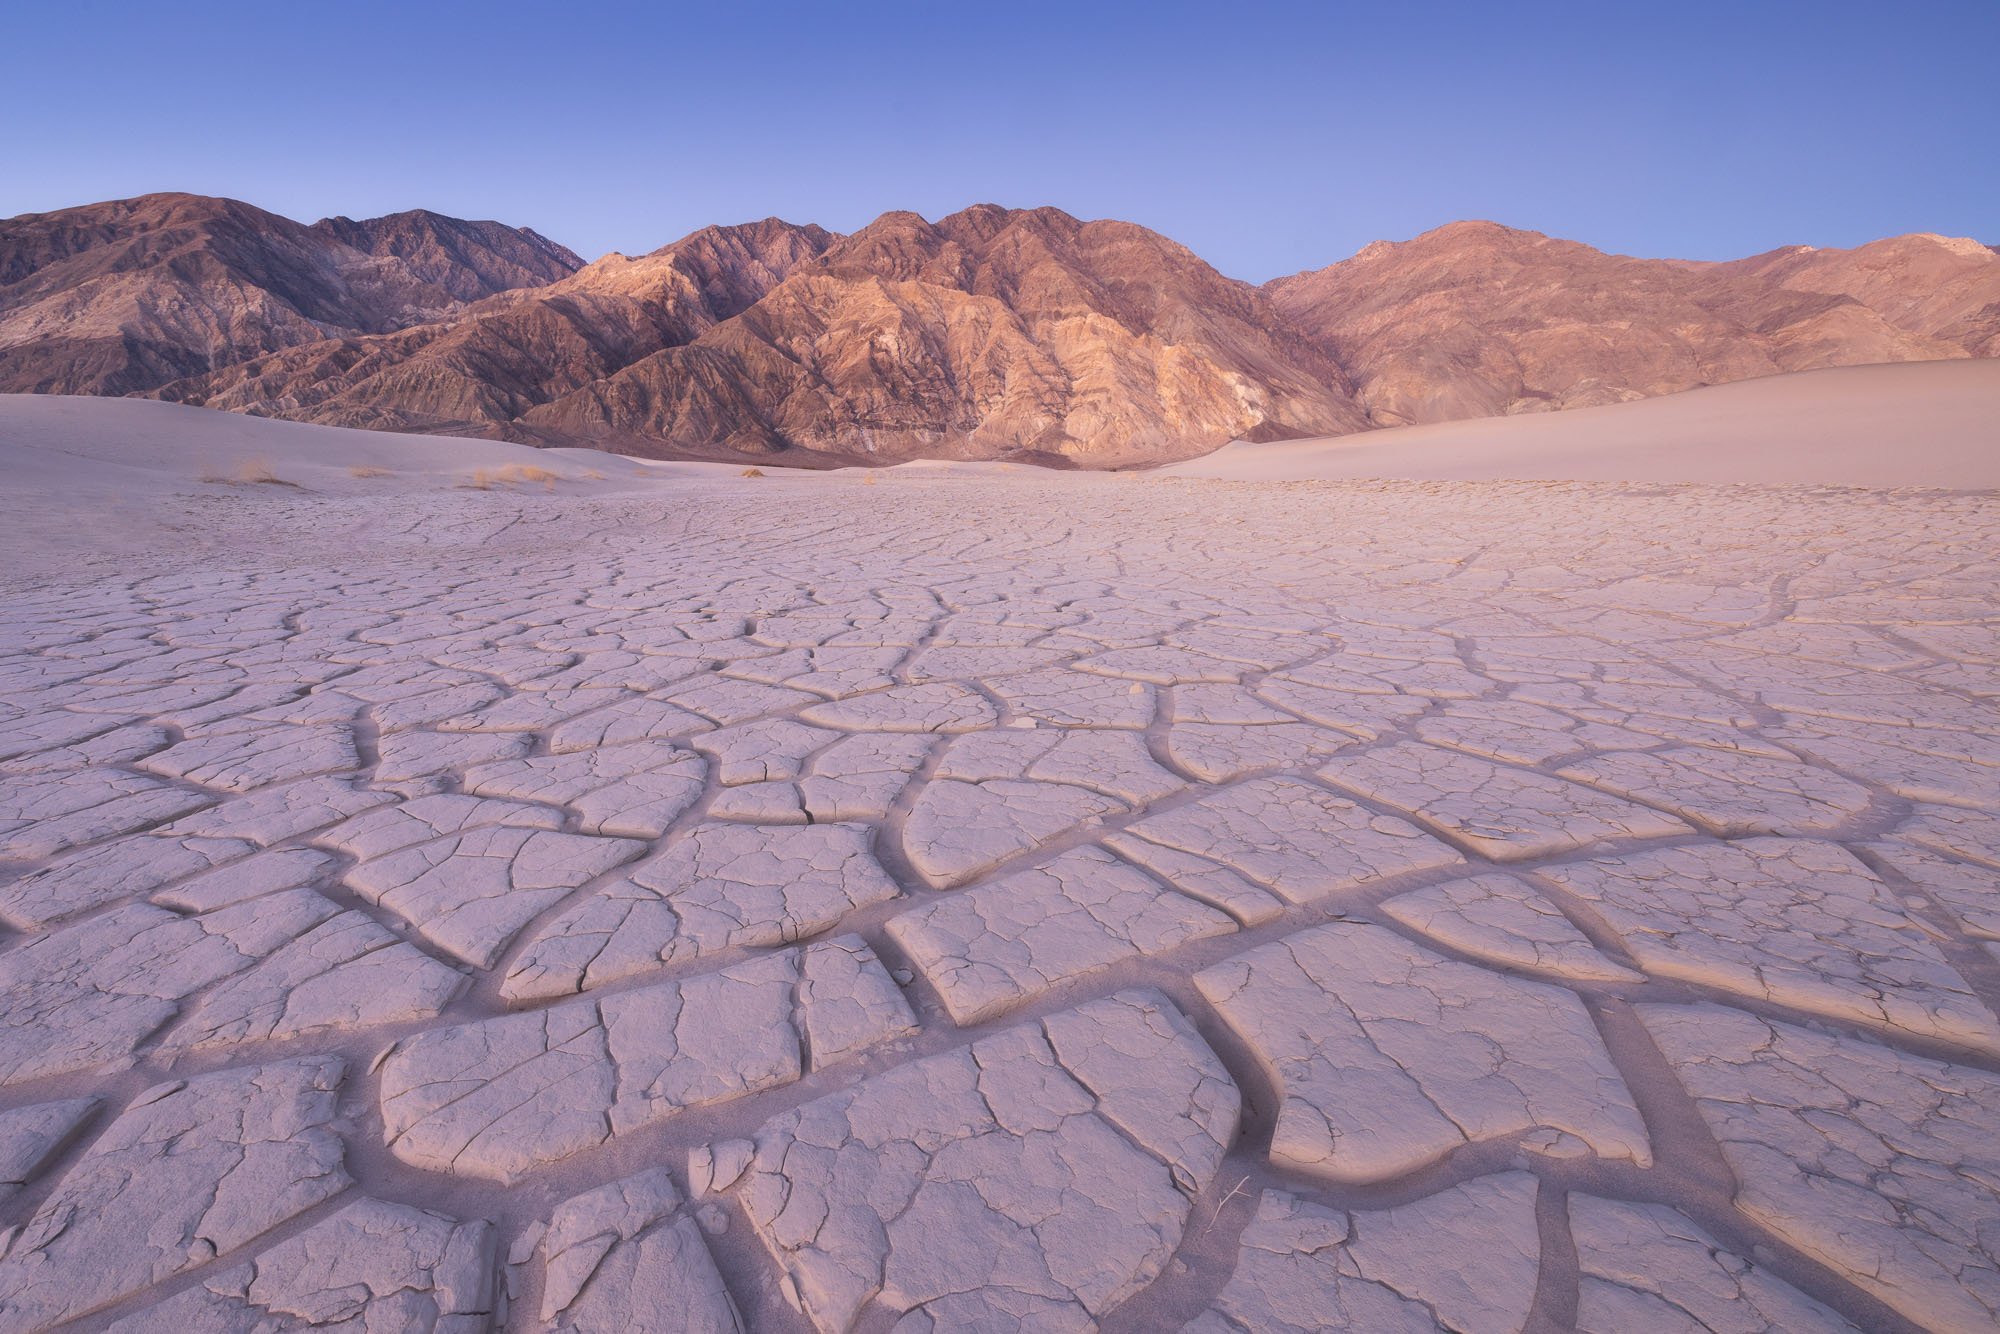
(250, 472)
(512, 474)
(527, 472)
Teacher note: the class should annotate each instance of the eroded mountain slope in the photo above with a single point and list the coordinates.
(126, 296)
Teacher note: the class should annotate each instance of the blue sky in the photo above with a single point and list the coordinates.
(1267, 137)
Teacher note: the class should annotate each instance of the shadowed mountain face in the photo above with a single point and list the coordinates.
(1475, 319)
(992, 333)
(494, 366)
(988, 334)
(469, 260)
(130, 295)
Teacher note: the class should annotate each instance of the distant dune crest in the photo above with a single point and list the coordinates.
(992, 333)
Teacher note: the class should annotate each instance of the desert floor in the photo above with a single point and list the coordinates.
(1000, 900)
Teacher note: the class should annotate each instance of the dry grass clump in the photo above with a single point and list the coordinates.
(870, 480)
(752, 472)
(250, 472)
(368, 470)
(257, 472)
(485, 479)
(527, 472)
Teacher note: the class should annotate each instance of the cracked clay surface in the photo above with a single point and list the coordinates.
(1018, 902)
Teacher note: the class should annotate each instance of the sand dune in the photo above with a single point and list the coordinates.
(96, 483)
(131, 444)
(1929, 424)
(1926, 424)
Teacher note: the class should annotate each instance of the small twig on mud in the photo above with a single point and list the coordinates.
(1223, 1203)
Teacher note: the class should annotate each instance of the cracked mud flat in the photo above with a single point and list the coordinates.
(1004, 902)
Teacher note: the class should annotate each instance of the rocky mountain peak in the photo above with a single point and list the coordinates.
(990, 332)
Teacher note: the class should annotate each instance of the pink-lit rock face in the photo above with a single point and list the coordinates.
(988, 898)
(989, 333)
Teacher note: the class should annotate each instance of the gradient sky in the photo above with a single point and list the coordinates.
(1267, 137)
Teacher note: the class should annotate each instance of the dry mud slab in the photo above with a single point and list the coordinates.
(1002, 901)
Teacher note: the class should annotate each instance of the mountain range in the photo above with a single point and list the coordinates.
(991, 333)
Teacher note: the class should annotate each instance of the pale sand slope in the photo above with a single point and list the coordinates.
(91, 481)
(1009, 901)
(55, 441)
(1931, 424)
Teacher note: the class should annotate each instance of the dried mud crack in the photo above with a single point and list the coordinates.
(1008, 902)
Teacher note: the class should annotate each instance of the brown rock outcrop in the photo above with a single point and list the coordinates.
(469, 260)
(1944, 287)
(1475, 319)
(128, 295)
(991, 333)
(490, 365)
